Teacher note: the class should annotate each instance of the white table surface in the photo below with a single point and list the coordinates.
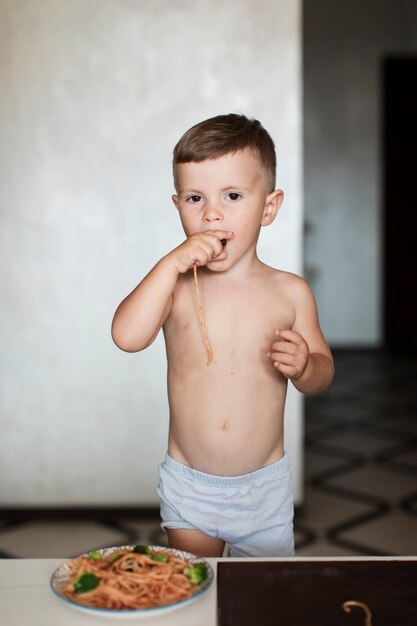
(26, 598)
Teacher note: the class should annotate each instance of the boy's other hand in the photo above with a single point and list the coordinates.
(201, 248)
(289, 353)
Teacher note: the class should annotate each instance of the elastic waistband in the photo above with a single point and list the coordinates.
(274, 470)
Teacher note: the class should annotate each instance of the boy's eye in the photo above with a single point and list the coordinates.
(233, 195)
(194, 199)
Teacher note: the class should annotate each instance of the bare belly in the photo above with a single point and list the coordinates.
(228, 427)
(226, 418)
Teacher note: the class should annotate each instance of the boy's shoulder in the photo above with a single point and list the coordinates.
(288, 280)
(292, 287)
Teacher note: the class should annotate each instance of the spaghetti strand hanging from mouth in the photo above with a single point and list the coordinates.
(202, 318)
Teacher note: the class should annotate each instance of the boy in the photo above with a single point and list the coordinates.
(225, 477)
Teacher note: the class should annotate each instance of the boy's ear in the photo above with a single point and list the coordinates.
(273, 204)
(175, 200)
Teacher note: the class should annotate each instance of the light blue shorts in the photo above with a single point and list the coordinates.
(252, 512)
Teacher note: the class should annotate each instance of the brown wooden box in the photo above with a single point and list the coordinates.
(311, 593)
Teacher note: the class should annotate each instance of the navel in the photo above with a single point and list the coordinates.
(224, 425)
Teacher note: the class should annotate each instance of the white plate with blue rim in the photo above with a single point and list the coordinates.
(61, 577)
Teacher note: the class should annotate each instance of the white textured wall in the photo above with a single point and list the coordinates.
(94, 95)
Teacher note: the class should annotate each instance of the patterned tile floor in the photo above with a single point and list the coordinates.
(360, 466)
(361, 460)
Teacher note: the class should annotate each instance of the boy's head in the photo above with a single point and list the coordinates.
(226, 134)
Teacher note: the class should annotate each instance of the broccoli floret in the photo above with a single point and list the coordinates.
(141, 549)
(160, 557)
(196, 573)
(95, 555)
(86, 582)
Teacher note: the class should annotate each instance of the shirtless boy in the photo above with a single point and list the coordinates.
(225, 477)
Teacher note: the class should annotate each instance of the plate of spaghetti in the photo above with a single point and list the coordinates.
(129, 581)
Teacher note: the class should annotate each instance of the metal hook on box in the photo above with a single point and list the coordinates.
(347, 607)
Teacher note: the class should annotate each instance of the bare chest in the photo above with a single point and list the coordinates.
(239, 321)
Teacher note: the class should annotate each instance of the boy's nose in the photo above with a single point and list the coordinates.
(212, 213)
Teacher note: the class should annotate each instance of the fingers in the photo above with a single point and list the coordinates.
(289, 371)
(286, 345)
(290, 335)
(205, 249)
(217, 238)
(207, 246)
(201, 248)
(289, 353)
(220, 234)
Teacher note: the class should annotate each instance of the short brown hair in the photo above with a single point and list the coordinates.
(225, 134)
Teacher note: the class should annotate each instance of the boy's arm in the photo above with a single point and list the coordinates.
(139, 318)
(302, 354)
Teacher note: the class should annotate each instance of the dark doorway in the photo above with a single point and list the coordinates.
(400, 201)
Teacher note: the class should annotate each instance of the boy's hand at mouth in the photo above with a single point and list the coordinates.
(201, 248)
(289, 353)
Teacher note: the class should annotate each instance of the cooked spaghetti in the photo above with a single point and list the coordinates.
(138, 578)
(202, 318)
